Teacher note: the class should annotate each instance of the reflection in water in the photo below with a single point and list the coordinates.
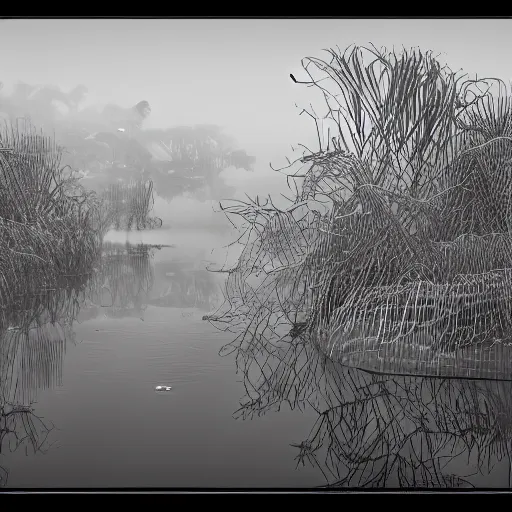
(21, 427)
(35, 330)
(371, 431)
(182, 284)
(122, 282)
(33, 338)
(376, 430)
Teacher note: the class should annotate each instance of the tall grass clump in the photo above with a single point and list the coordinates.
(397, 244)
(47, 228)
(128, 205)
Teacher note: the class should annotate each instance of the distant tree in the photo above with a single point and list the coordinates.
(76, 96)
(41, 103)
(180, 159)
(190, 158)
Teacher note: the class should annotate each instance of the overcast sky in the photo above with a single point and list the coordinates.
(234, 73)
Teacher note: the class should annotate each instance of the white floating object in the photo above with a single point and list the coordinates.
(163, 388)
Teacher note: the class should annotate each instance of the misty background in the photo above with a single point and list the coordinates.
(233, 74)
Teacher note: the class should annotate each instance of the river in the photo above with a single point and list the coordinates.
(110, 428)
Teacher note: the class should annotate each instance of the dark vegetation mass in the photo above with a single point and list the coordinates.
(396, 246)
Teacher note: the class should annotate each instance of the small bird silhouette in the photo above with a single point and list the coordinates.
(293, 78)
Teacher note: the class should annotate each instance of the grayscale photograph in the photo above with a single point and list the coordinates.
(256, 254)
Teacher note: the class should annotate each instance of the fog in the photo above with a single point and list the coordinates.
(232, 74)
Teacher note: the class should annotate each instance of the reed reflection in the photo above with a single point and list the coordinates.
(378, 430)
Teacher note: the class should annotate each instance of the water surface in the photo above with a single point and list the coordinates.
(113, 429)
(288, 418)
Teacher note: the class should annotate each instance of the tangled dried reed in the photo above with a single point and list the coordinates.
(397, 244)
(46, 218)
